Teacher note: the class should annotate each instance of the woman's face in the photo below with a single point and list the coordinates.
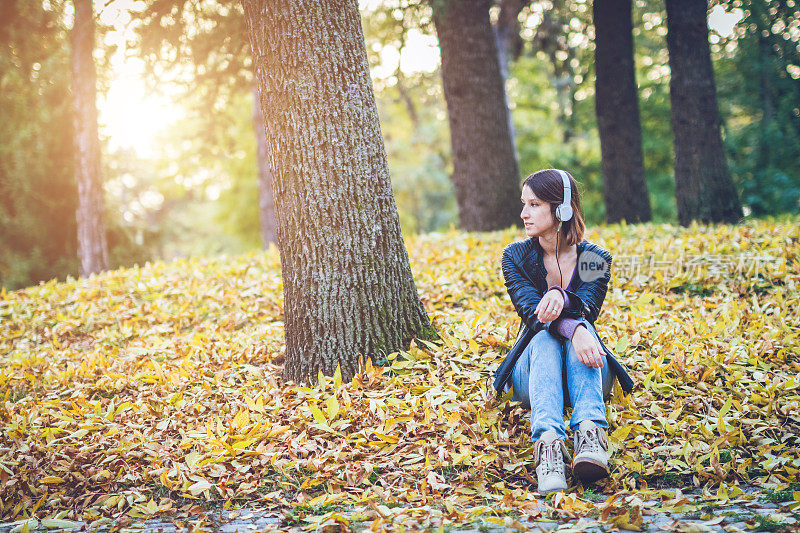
(536, 214)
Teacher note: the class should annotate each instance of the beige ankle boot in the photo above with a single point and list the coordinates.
(549, 454)
(591, 453)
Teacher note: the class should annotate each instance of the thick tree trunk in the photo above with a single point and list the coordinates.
(266, 198)
(348, 286)
(617, 108)
(485, 173)
(92, 247)
(703, 187)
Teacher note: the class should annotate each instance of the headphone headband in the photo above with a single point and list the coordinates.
(564, 210)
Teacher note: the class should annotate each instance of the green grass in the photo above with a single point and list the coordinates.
(780, 496)
(295, 515)
(765, 523)
(593, 496)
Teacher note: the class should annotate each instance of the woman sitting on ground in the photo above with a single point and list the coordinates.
(558, 358)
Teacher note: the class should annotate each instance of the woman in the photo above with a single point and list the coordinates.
(558, 358)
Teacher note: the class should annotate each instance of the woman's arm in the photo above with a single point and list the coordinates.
(586, 301)
(524, 295)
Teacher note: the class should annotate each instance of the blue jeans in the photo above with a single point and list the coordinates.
(538, 381)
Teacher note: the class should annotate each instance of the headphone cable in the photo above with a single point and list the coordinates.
(560, 274)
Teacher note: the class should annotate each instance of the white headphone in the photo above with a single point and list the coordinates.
(564, 210)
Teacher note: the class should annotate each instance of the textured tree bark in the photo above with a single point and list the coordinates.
(92, 247)
(485, 173)
(704, 190)
(266, 198)
(617, 109)
(348, 286)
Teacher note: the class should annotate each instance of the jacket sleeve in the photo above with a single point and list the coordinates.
(524, 295)
(593, 294)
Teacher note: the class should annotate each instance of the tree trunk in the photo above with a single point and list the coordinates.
(92, 247)
(509, 46)
(766, 69)
(485, 172)
(551, 38)
(348, 286)
(617, 108)
(266, 198)
(704, 190)
(506, 31)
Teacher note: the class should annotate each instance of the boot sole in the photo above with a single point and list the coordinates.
(589, 471)
(550, 491)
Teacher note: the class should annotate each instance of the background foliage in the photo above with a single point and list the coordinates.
(196, 192)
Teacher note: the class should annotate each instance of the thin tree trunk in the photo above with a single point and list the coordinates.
(506, 31)
(485, 173)
(704, 190)
(509, 46)
(550, 38)
(765, 69)
(92, 247)
(402, 89)
(405, 96)
(348, 286)
(617, 108)
(266, 199)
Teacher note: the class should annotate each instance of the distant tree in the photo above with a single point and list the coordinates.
(758, 79)
(38, 197)
(704, 190)
(348, 286)
(552, 39)
(410, 104)
(507, 32)
(485, 171)
(92, 245)
(211, 37)
(266, 198)
(509, 47)
(617, 107)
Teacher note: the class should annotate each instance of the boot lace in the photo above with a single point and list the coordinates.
(590, 441)
(551, 456)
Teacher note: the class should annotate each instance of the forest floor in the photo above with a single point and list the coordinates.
(152, 395)
(757, 509)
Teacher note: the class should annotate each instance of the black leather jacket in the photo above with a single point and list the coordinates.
(526, 282)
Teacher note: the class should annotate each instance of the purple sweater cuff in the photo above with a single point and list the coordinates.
(566, 326)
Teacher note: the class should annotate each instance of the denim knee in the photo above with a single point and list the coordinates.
(607, 375)
(544, 338)
(542, 348)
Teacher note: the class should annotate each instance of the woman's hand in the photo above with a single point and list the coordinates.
(588, 349)
(550, 306)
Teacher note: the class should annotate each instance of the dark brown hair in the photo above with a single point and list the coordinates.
(548, 186)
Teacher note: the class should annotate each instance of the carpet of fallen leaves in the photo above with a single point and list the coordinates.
(156, 390)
